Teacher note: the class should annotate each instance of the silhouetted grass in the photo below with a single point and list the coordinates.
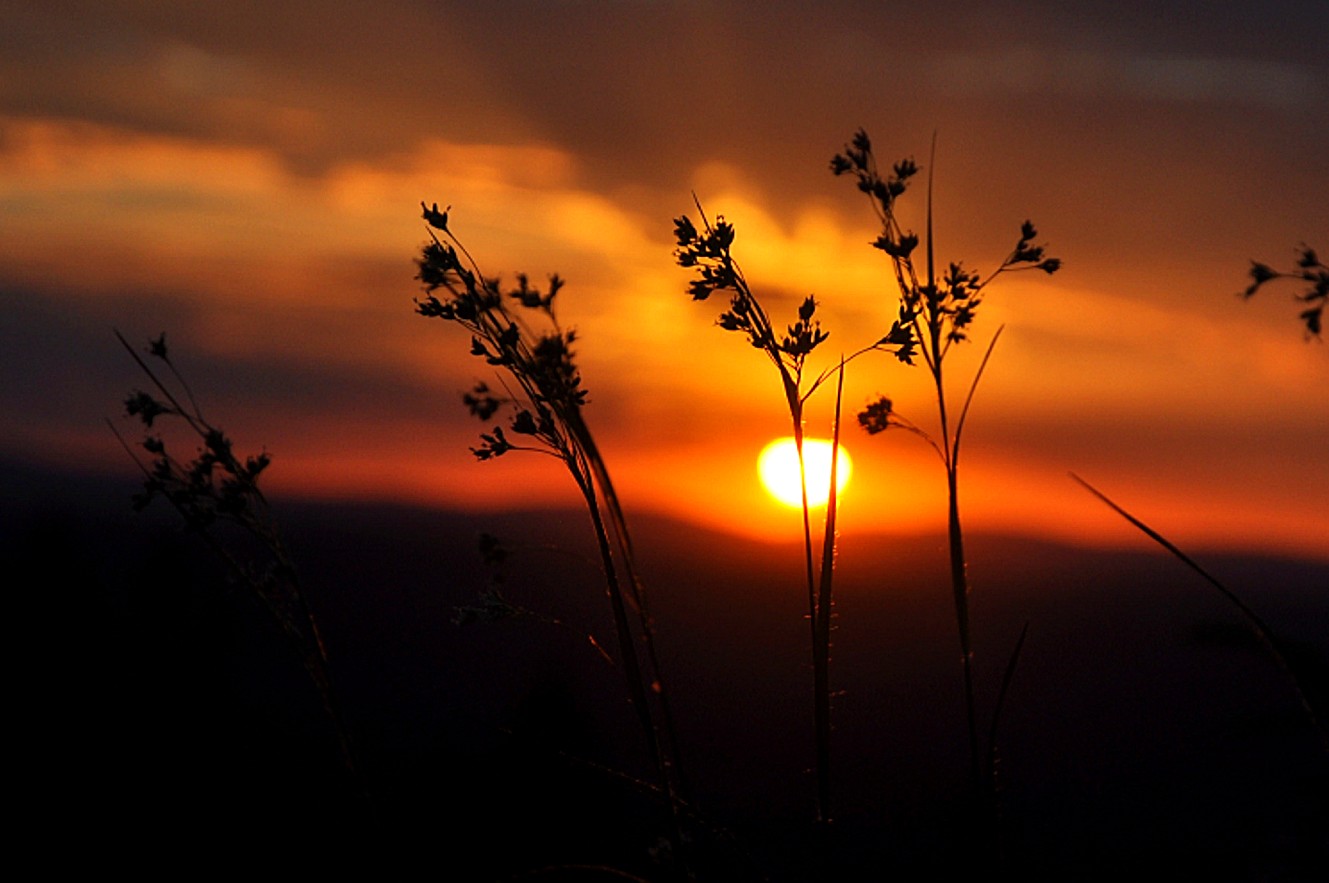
(543, 398)
(1266, 637)
(217, 489)
(708, 252)
(540, 397)
(938, 308)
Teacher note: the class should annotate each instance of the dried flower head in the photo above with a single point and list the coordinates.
(546, 392)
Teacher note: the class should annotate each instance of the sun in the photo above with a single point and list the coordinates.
(778, 467)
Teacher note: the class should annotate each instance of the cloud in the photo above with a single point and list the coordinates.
(1044, 71)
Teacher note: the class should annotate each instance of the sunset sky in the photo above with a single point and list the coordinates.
(247, 176)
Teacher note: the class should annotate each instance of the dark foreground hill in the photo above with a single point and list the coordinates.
(161, 724)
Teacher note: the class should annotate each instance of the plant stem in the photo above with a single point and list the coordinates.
(821, 647)
(821, 706)
(1257, 625)
(592, 477)
(960, 591)
(623, 628)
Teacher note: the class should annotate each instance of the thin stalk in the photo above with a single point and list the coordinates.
(624, 590)
(821, 713)
(1006, 680)
(650, 682)
(973, 387)
(822, 635)
(654, 677)
(959, 563)
(960, 592)
(196, 423)
(708, 254)
(623, 628)
(934, 352)
(991, 771)
(807, 526)
(1258, 627)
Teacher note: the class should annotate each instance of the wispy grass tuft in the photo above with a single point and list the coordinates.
(708, 253)
(516, 332)
(218, 488)
(937, 307)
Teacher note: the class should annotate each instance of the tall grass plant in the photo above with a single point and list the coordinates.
(541, 397)
(938, 306)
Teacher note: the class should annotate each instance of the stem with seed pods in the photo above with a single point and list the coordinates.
(935, 311)
(707, 251)
(542, 389)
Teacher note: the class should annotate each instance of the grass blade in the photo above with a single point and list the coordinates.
(1257, 625)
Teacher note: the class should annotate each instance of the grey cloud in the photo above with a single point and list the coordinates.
(1096, 74)
(64, 367)
(641, 93)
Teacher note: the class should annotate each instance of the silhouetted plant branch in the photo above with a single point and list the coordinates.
(708, 252)
(214, 488)
(543, 396)
(1311, 270)
(938, 308)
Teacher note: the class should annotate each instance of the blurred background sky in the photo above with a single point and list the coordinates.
(246, 177)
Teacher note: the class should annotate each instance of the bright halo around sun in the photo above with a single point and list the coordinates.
(778, 467)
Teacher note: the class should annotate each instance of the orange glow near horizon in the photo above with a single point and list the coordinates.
(296, 288)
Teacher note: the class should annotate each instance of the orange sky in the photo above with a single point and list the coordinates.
(248, 181)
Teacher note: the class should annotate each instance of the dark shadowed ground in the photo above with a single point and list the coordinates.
(161, 725)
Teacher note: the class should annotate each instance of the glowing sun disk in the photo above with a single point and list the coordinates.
(778, 467)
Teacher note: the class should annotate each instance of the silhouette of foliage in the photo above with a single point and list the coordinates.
(1310, 270)
(938, 308)
(516, 331)
(938, 311)
(215, 488)
(546, 408)
(707, 251)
